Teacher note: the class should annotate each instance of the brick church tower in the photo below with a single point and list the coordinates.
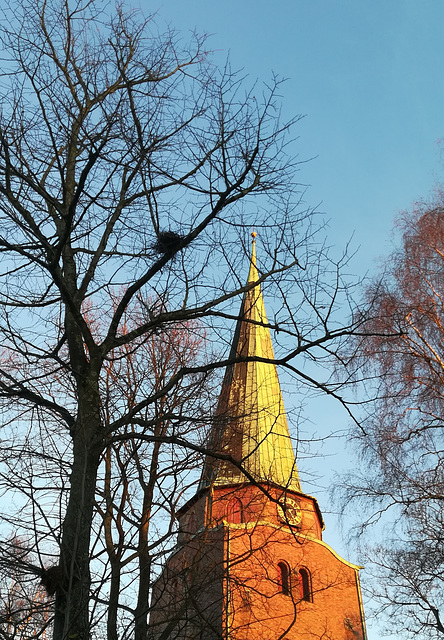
(250, 562)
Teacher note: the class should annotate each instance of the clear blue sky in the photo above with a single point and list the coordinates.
(368, 76)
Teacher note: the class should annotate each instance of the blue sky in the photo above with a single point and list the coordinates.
(368, 77)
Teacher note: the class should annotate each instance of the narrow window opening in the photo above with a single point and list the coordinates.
(304, 585)
(283, 578)
(235, 511)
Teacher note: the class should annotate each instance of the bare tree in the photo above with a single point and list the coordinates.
(402, 437)
(138, 480)
(137, 483)
(128, 169)
(25, 610)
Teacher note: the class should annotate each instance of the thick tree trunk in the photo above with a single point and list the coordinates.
(73, 589)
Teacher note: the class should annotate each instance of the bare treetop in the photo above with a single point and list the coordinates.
(131, 171)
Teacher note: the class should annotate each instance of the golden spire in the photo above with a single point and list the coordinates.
(250, 423)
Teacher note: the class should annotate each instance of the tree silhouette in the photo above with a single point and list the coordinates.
(402, 438)
(130, 170)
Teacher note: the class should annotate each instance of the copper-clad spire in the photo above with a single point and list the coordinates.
(250, 423)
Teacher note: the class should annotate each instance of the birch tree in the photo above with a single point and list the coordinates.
(401, 439)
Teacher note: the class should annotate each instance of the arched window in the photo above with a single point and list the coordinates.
(173, 587)
(235, 511)
(304, 585)
(192, 524)
(283, 578)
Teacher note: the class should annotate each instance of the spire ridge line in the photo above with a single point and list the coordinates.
(250, 421)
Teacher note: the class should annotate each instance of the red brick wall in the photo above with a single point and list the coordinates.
(223, 582)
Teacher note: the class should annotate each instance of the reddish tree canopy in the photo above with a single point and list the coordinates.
(403, 436)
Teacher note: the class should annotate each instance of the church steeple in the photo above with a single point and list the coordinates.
(250, 561)
(251, 423)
